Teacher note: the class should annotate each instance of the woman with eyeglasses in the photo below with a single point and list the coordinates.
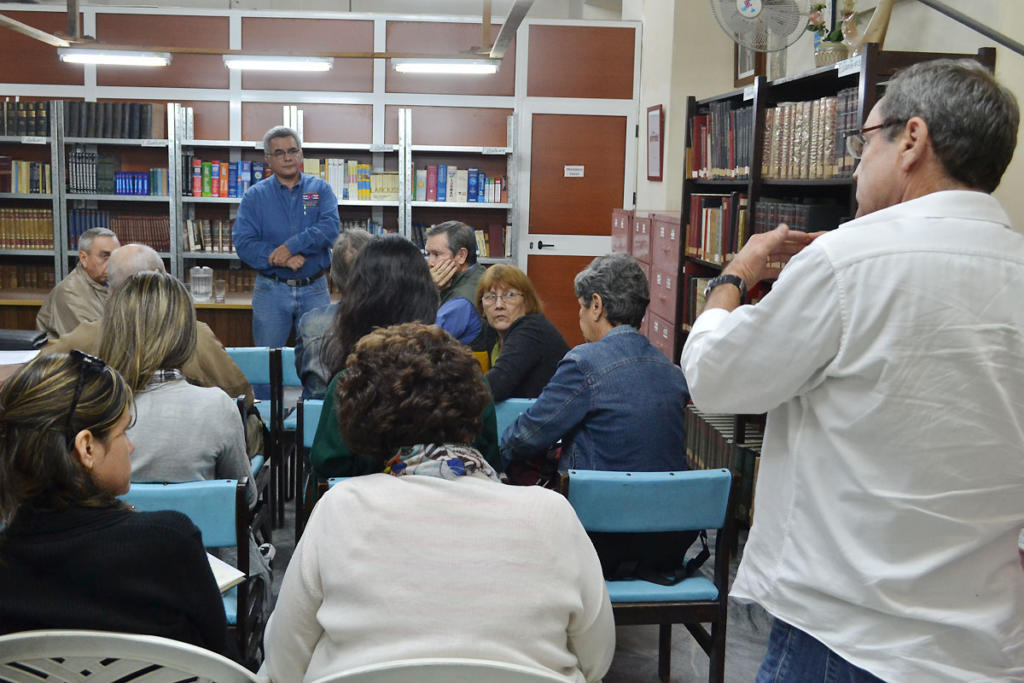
(71, 554)
(529, 346)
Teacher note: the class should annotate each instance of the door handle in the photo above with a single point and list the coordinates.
(541, 245)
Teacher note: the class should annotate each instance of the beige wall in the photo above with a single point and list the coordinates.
(683, 53)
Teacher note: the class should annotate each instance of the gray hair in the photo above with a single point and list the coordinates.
(621, 284)
(129, 259)
(87, 237)
(343, 254)
(280, 132)
(460, 236)
(972, 119)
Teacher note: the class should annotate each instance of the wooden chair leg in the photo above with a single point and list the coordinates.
(716, 655)
(664, 652)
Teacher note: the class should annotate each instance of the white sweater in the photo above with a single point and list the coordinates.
(395, 568)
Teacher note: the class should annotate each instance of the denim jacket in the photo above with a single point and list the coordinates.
(314, 326)
(617, 404)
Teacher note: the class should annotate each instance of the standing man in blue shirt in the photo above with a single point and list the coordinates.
(285, 228)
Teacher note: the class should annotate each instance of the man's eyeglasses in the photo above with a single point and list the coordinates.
(855, 139)
(87, 364)
(510, 297)
(282, 153)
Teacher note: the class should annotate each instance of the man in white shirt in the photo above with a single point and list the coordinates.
(889, 357)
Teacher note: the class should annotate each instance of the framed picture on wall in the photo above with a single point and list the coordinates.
(747, 65)
(655, 141)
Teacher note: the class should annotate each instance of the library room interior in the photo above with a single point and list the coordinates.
(579, 264)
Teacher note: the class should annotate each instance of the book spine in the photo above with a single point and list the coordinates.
(442, 182)
(207, 179)
(431, 188)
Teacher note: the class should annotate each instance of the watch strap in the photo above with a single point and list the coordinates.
(734, 280)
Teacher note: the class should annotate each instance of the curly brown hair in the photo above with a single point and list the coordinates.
(409, 384)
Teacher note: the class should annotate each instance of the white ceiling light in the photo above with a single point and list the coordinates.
(446, 66)
(272, 63)
(113, 57)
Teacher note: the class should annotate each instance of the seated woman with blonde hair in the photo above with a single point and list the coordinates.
(529, 346)
(434, 557)
(71, 554)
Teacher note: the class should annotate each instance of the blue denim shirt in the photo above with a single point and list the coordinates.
(617, 404)
(304, 217)
(314, 326)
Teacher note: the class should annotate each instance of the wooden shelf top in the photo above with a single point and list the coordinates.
(23, 297)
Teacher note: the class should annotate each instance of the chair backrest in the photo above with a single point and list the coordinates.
(253, 361)
(650, 501)
(101, 657)
(309, 411)
(289, 375)
(443, 670)
(216, 506)
(508, 410)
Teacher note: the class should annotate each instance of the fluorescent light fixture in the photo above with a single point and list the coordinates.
(75, 55)
(414, 65)
(272, 63)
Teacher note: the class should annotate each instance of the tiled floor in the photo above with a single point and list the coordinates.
(636, 652)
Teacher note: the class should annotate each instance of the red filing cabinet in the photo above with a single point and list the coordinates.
(622, 230)
(641, 247)
(666, 240)
(664, 285)
(662, 335)
(646, 324)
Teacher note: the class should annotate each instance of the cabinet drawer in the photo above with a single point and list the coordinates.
(622, 230)
(664, 293)
(665, 239)
(662, 334)
(641, 248)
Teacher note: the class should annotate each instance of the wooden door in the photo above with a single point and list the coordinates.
(577, 176)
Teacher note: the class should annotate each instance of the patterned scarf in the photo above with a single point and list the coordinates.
(447, 461)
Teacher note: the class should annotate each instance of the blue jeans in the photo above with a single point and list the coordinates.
(795, 657)
(277, 307)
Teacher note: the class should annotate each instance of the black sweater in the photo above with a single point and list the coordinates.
(529, 355)
(110, 570)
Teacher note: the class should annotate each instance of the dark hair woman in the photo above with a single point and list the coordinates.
(72, 555)
(433, 535)
(390, 284)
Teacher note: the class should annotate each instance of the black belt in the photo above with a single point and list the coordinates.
(300, 282)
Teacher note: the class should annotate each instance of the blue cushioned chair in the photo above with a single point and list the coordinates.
(289, 378)
(261, 516)
(261, 365)
(508, 410)
(632, 502)
(218, 507)
(307, 414)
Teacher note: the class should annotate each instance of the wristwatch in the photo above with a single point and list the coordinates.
(727, 280)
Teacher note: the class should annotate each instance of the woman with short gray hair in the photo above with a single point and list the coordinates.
(616, 402)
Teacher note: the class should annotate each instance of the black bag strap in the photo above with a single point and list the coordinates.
(662, 579)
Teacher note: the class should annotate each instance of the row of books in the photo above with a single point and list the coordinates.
(26, 228)
(221, 178)
(26, 276)
(201, 234)
(721, 142)
(443, 183)
(25, 177)
(123, 120)
(494, 242)
(712, 443)
(92, 173)
(353, 180)
(150, 229)
(807, 140)
(24, 118)
(809, 216)
(718, 226)
(369, 225)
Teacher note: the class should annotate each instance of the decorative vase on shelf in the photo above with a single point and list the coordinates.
(829, 52)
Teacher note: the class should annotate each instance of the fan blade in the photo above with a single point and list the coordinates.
(33, 32)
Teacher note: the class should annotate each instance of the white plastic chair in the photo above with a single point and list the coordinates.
(443, 670)
(72, 656)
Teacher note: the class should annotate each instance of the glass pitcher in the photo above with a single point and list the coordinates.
(201, 283)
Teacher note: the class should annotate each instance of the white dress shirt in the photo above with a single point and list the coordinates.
(889, 357)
